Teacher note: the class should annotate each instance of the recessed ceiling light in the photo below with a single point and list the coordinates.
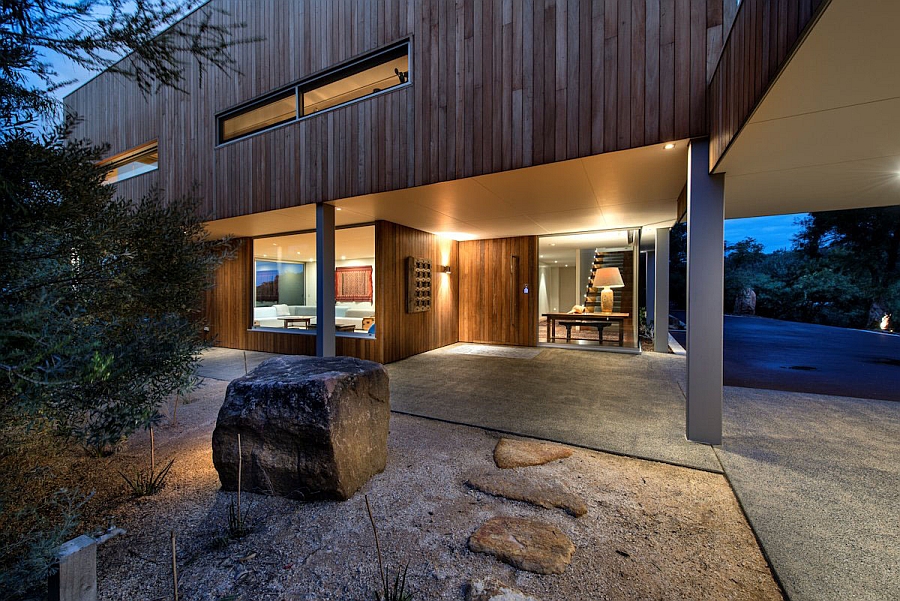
(312, 258)
(265, 255)
(567, 264)
(669, 146)
(338, 209)
(553, 244)
(274, 244)
(556, 261)
(343, 257)
(542, 256)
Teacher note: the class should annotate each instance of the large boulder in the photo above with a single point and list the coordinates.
(310, 427)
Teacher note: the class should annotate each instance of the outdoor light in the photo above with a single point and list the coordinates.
(607, 278)
(445, 269)
(669, 146)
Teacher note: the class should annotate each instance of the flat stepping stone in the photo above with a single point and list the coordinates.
(491, 590)
(543, 493)
(525, 544)
(511, 453)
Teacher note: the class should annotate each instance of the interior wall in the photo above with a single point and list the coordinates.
(568, 289)
(493, 304)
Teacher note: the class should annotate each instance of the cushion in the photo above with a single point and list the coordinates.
(282, 311)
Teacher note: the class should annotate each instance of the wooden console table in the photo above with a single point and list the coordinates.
(608, 318)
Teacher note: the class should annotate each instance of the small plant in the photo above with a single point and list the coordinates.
(388, 592)
(143, 483)
(238, 524)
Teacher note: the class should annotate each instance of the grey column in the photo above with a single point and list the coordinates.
(705, 281)
(325, 344)
(661, 298)
(650, 270)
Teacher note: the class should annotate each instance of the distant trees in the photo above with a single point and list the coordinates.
(842, 270)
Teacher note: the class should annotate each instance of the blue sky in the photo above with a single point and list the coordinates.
(773, 232)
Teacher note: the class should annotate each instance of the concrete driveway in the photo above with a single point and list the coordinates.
(801, 357)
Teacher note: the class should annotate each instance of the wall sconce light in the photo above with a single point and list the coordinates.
(445, 269)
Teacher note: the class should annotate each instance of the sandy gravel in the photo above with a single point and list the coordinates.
(652, 531)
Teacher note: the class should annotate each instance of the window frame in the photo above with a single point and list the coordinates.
(130, 156)
(324, 77)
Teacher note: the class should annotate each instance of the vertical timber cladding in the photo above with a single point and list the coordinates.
(401, 332)
(495, 86)
(493, 304)
(762, 38)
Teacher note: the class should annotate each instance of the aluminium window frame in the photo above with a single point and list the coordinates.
(131, 156)
(320, 78)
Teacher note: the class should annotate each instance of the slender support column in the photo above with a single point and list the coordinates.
(650, 270)
(661, 298)
(705, 282)
(325, 343)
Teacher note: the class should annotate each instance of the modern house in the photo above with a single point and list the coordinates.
(409, 174)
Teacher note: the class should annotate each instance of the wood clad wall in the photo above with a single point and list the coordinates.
(405, 334)
(492, 304)
(496, 85)
(764, 34)
(228, 306)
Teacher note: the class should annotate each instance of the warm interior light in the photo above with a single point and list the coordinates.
(458, 236)
(669, 146)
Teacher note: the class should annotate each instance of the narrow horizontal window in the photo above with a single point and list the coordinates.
(375, 75)
(132, 163)
(258, 116)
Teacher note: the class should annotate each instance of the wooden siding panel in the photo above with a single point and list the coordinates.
(760, 40)
(495, 85)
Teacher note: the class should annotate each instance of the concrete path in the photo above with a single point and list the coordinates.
(625, 404)
(802, 357)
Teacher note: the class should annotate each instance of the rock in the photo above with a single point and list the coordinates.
(491, 590)
(543, 493)
(525, 544)
(745, 302)
(511, 453)
(310, 427)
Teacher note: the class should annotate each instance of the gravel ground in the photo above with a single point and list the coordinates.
(652, 531)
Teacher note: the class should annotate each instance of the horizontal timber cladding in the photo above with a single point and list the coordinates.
(228, 305)
(496, 85)
(493, 304)
(764, 34)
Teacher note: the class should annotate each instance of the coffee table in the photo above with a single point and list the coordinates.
(296, 319)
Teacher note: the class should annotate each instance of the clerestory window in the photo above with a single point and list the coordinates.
(367, 76)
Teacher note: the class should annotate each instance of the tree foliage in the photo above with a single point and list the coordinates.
(157, 46)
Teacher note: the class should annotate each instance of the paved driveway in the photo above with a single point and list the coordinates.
(800, 357)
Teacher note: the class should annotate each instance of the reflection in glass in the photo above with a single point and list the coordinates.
(133, 164)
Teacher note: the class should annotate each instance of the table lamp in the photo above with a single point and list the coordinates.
(607, 278)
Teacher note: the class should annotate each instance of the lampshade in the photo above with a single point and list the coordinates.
(607, 277)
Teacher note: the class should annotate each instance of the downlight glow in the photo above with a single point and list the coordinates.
(669, 146)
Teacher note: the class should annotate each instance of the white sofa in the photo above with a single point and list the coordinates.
(267, 317)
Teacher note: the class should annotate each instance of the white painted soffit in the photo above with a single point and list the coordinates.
(827, 134)
(631, 188)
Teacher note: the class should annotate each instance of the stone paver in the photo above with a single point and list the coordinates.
(523, 543)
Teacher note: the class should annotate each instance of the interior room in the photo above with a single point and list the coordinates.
(587, 286)
(284, 294)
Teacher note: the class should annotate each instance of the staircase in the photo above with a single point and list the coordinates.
(592, 295)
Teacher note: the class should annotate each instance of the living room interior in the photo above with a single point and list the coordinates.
(285, 282)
